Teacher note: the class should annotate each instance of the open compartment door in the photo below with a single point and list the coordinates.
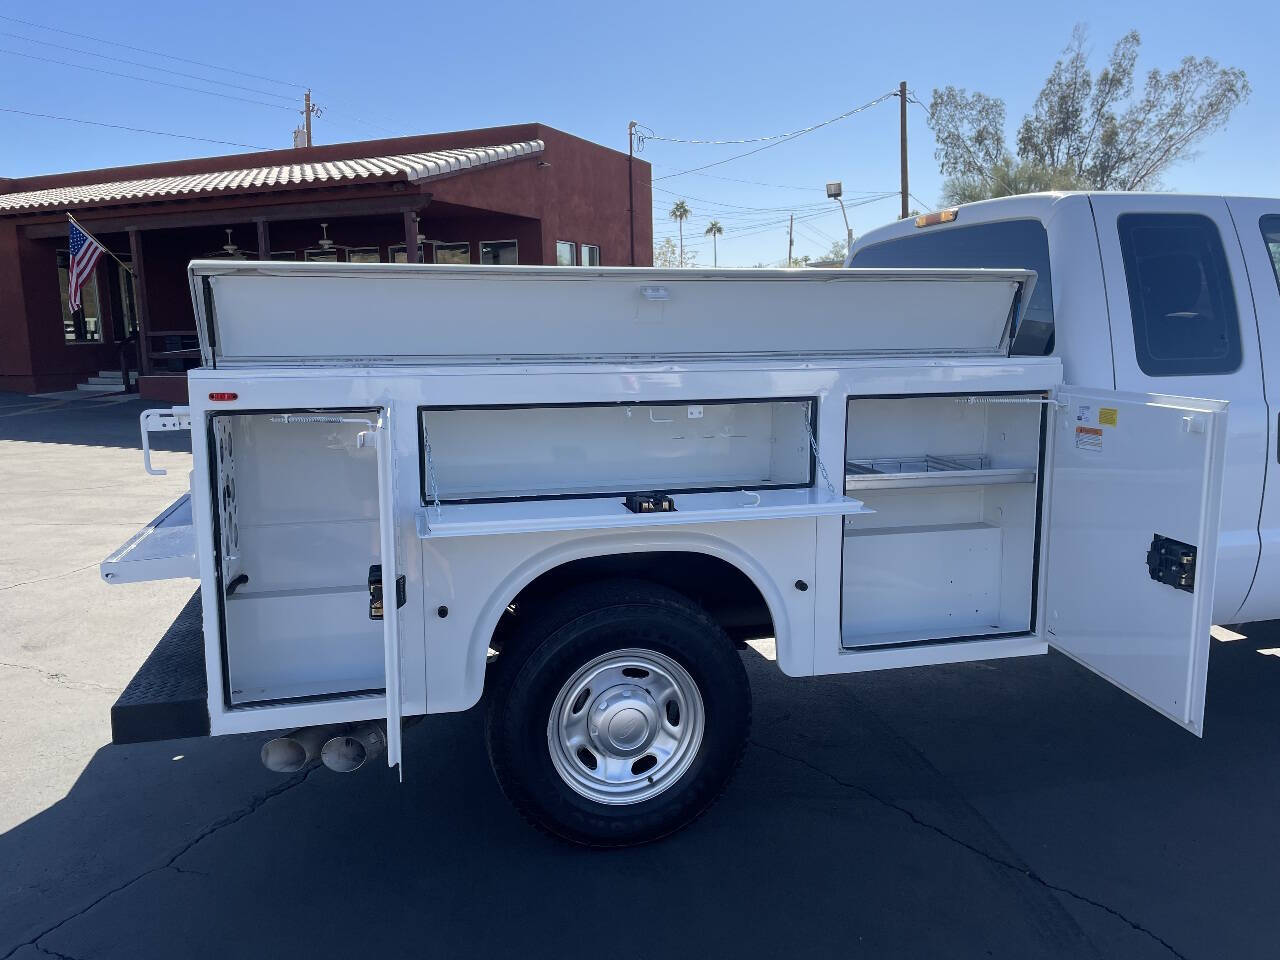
(1132, 541)
(391, 586)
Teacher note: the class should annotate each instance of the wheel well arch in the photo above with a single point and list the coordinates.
(736, 587)
(718, 586)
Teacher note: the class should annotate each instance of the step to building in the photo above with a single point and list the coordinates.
(106, 381)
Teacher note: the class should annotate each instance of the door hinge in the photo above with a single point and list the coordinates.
(1172, 562)
(375, 591)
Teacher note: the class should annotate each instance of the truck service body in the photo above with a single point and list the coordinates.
(570, 490)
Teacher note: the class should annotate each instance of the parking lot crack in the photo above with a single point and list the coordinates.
(978, 851)
(56, 576)
(54, 953)
(255, 804)
(59, 678)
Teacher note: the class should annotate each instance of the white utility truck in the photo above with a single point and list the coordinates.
(1146, 292)
(573, 489)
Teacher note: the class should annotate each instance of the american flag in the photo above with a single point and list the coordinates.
(85, 251)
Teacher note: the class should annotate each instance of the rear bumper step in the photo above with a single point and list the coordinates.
(168, 697)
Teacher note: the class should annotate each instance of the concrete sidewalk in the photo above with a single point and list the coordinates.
(1016, 808)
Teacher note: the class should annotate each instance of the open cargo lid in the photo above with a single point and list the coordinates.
(255, 312)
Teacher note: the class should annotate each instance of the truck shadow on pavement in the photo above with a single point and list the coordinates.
(91, 421)
(1016, 808)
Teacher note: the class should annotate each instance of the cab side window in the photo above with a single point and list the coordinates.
(1184, 310)
(1019, 244)
(1270, 226)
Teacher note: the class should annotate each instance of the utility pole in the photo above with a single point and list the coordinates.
(791, 235)
(631, 186)
(306, 114)
(902, 118)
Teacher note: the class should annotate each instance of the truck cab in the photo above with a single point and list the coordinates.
(1147, 293)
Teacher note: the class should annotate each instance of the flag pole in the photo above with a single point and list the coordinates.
(101, 244)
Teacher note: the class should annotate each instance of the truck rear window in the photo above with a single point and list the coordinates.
(1184, 311)
(1019, 244)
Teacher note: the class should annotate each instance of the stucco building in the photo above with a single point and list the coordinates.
(521, 194)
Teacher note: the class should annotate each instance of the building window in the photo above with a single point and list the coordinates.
(363, 255)
(1180, 297)
(284, 255)
(453, 252)
(498, 252)
(590, 255)
(85, 325)
(320, 255)
(395, 254)
(564, 253)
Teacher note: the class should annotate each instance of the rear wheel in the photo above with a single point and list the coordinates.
(617, 715)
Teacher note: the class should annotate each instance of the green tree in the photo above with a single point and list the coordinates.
(839, 250)
(801, 261)
(1103, 131)
(680, 213)
(666, 255)
(714, 230)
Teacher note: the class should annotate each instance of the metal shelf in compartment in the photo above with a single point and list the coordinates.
(898, 473)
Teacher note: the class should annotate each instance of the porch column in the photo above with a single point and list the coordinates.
(411, 236)
(140, 302)
(264, 238)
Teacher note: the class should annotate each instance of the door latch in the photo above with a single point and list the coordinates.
(375, 591)
(1172, 562)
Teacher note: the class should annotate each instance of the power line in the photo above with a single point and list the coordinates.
(146, 66)
(162, 83)
(154, 53)
(197, 63)
(641, 137)
(783, 138)
(117, 126)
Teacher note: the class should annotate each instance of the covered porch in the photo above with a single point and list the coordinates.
(137, 315)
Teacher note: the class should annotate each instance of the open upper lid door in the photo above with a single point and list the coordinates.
(1133, 540)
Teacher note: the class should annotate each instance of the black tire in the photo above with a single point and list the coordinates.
(560, 638)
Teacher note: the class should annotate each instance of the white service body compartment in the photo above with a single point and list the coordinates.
(890, 510)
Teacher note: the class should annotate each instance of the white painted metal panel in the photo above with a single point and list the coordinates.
(397, 312)
(165, 549)
(1126, 467)
(923, 582)
(1247, 433)
(390, 571)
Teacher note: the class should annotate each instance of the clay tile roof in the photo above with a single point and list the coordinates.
(411, 167)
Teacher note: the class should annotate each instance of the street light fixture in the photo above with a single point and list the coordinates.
(835, 190)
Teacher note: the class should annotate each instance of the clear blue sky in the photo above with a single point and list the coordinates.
(687, 69)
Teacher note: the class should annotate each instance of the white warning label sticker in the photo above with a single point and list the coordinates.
(1088, 438)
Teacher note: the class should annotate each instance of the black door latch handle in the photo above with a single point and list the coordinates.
(375, 591)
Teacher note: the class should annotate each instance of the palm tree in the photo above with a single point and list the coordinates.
(714, 230)
(680, 213)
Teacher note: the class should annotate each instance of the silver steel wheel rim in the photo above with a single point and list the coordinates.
(626, 726)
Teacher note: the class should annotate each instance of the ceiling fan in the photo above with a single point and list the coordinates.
(229, 250)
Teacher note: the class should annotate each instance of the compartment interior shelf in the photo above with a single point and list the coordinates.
(590, 513)
(898, 473)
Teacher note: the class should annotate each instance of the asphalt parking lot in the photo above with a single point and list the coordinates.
(1018, 808)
